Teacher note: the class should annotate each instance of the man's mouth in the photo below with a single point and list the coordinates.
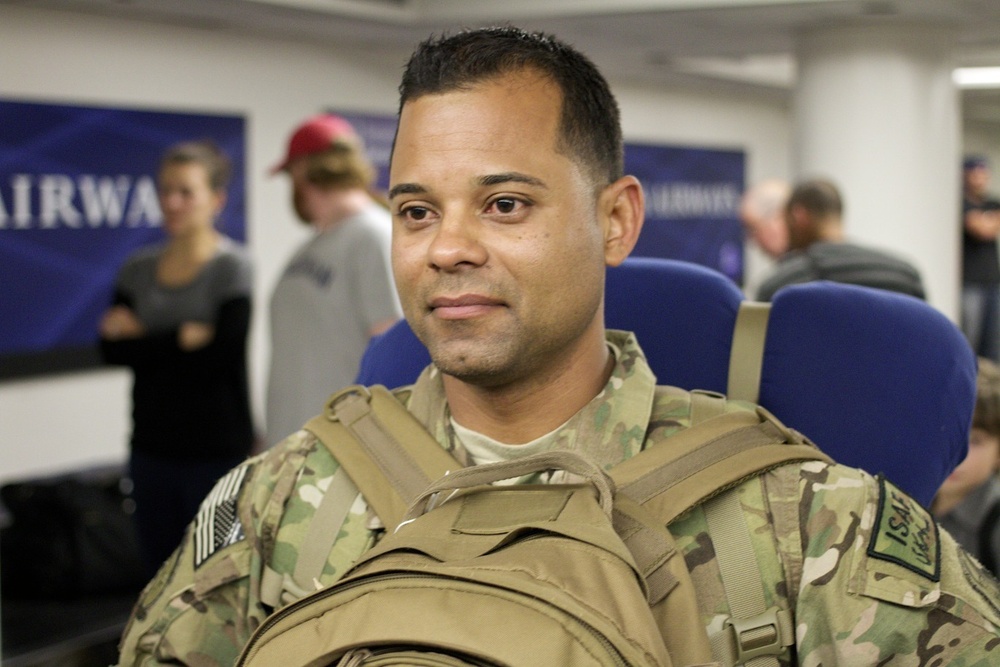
(464, 306)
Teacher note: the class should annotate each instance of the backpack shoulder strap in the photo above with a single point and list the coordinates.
(699, 462)
(387, 454)
(738, 567)
(696, 466)
(746, 356)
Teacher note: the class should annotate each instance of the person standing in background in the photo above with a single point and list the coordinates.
(819, 250)
(179, 319)
(968, 502)
(980, 261)
(336, 291)
(762, 212)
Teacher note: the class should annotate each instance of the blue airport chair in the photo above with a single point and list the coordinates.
(879, 380)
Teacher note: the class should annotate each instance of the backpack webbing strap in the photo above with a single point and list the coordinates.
(277, 589)
(754, 635)
(650, 543)
(746, 356)
(387, 453)
(709, 457)
(322, 532)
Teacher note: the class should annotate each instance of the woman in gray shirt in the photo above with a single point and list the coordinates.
(179, 319)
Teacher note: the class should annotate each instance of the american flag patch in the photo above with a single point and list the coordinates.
(217, 524)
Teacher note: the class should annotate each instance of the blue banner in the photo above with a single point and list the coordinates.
(77, 196)
(377, 131)
(692, 204)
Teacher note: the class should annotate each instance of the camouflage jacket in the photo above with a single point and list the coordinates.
(870, 578)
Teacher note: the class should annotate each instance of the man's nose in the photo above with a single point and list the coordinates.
(457, 243)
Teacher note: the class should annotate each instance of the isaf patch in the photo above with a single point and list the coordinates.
(218, 525)
(905, 533)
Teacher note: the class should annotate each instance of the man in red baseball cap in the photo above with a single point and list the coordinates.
(337, 290)
(316, 135)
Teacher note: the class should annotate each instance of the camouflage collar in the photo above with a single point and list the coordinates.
(610, 428)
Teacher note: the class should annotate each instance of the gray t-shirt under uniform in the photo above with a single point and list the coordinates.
(332, 292)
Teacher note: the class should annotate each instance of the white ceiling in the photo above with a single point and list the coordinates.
(741, 44)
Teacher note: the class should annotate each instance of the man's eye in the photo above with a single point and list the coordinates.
(416, 213)
(506, 205)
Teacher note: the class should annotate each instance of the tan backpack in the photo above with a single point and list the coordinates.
(559, 574)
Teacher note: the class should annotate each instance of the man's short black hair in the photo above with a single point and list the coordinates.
(820, 197)
(590, 125)
(975, 162)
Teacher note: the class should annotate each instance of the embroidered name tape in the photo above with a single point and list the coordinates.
(905, 533)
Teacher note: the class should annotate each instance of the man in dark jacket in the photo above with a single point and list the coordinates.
(817, 249)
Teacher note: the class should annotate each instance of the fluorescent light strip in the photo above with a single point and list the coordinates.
(977, 77)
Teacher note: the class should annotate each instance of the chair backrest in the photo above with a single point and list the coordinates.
(393, 358)
(682, 314)
(879, 380)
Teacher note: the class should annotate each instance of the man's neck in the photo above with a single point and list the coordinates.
(519, 412)
(831, 232)
(975, 196)
(345, 204)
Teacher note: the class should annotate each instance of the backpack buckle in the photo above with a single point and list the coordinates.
(765, 634)
(348, 404)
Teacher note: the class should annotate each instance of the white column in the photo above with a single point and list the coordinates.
(877, 112)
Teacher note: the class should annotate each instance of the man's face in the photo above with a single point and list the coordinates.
(497, 249)
(977, 180)
(312, 203)
(770, 233)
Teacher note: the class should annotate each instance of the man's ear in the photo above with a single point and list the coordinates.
(798, 216)
(220, 201)
(621, 206)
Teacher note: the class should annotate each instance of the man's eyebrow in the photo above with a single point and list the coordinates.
(406, 189)
(488, 180)
(511, 177)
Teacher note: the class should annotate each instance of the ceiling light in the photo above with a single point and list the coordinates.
(977, 77)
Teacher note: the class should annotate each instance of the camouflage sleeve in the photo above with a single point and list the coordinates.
(204, 603)
(881, 583)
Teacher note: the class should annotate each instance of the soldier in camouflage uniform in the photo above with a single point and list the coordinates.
(506, 211)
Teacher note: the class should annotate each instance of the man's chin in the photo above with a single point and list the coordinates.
(471, 366)
(469, 373)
